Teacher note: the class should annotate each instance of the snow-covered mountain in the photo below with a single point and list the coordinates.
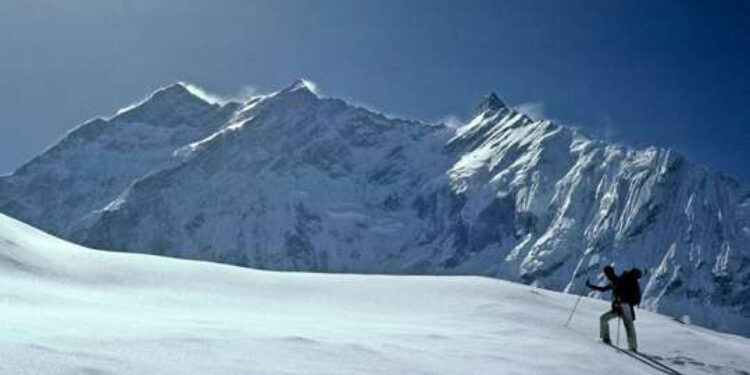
(295, 181)
(70, 310)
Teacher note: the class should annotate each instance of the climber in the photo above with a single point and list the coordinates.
(626, 293)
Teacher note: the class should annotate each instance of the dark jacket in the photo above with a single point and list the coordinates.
(617, 286)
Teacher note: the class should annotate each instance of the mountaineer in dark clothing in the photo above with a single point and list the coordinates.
(626, 294)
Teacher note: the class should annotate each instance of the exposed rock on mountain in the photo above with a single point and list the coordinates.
(294, 181)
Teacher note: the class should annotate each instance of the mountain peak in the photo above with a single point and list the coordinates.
(177, 98)
(491, 102)
(185, 91)
(176, 88)
(175, 91)
(300, 85)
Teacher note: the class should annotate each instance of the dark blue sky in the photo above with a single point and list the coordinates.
(641, 72)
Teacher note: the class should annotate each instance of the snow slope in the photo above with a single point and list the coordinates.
(295, 181)
(71, 310)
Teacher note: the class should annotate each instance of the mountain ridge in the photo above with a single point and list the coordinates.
(296, 181)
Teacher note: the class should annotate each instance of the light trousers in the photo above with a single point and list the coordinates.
(627, 319)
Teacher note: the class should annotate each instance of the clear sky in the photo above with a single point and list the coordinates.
(665, 73)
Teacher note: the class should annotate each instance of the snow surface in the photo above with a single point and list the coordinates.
(71, 310)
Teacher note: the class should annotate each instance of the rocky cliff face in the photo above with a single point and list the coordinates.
(293, 181)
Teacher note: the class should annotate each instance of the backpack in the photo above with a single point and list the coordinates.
(631, 290)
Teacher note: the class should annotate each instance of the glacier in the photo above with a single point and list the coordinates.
(296, 181)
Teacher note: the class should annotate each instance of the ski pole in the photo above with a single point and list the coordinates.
(574, 310)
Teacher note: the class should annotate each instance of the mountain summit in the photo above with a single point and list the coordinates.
(300, 84)
(490, 103)
(294, 181)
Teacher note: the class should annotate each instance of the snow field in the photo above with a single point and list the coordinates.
(70, 310)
